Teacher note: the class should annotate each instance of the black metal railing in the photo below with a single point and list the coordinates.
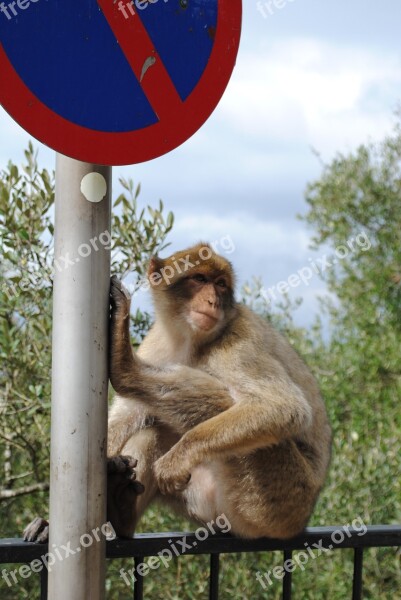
(14, 551)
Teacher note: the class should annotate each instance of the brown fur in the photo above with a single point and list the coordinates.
(221, 413)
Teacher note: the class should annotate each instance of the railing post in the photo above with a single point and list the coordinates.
(287, 580)
(214, 576)
(357, 578)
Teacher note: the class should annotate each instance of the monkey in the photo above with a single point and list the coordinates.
(219, 411)
(214, 414)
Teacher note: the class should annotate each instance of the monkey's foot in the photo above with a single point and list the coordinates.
(37, 531)
(122, 493)
(119, 296)
(125, 467)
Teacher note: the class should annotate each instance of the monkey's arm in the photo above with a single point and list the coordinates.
(266, 413)
(213, 422)
(179, 395)
(184, 397)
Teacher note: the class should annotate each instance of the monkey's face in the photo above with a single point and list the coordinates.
(193, 293)
(207, 298)
(201, 301)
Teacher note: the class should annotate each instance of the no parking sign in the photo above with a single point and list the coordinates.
(108, 82)
(115, 81)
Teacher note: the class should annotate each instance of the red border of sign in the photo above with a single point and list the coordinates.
(137, 146)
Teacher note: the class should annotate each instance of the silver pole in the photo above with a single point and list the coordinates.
(79, 381)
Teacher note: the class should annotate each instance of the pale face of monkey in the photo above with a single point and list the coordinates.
(205, 309)
(197, 299)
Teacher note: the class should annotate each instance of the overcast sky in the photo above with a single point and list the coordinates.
(312, 74)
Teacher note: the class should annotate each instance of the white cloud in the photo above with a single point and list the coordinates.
(270, 249)
(312, 92)
(14, 140)
(270, 237)
(254, 153)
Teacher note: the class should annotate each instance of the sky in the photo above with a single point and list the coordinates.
(311, 75)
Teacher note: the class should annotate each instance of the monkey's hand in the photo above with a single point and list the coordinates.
(122, 492)
(119, 298)
(172, 472)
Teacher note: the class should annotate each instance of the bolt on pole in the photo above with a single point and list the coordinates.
(79, 380)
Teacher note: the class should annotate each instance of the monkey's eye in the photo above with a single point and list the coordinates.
(200, 278)
(221, 283)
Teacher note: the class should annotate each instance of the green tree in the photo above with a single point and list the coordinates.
(355, 212)
(354, 209)
(26, 246)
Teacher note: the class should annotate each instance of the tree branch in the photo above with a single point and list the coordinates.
(29, 489)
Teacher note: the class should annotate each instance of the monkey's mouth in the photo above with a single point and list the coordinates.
(203, 320)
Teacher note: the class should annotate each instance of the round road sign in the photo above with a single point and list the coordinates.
(115, 81)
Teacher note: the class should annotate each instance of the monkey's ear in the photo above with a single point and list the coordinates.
(155, 265)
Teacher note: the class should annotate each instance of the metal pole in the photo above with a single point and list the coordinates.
(79, 381)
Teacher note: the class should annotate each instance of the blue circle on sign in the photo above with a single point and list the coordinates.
(67, 55)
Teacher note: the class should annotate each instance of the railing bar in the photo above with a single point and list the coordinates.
(287, 580)
(43, 583)
(138, 585)
(214, 577)
(357, 579)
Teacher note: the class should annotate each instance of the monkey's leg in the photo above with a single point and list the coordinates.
(125, 503)
(269, 493)
(122, 493)
(37, 531)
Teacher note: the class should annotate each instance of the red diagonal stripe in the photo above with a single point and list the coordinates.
(142, 56)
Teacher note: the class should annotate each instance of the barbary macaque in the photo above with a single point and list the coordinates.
(218, 410)
(215, 414)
